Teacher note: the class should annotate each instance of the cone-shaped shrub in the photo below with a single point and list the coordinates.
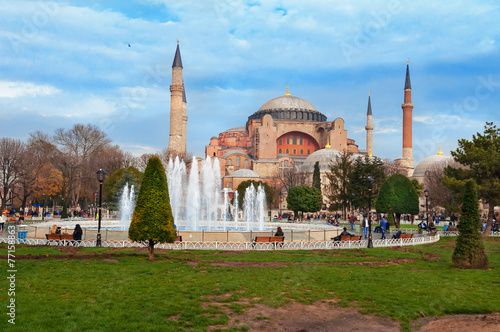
(469, 250)
(153, 221)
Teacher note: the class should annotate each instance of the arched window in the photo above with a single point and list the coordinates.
(287, 151)
(301, 141)
(280, 141)
(237, 161)
(301, 151)
(230, 185)
(294, 139)
(288, 140)
(308, 151)
(229, 162)
(279, 150)
(294, 151)
(245, 163)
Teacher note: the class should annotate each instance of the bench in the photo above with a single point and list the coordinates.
(178, 239)
(59, 237)
(269, 239)
(433, 233)
(452, 229)
(406, 236)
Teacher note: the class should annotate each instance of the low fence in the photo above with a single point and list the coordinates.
(217, 245)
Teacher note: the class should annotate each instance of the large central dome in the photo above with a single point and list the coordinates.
(289, 108)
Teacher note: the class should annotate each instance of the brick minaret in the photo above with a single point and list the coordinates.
(177, 138)
(407, 107)
(369, 128)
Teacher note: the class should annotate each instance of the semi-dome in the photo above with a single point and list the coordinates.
(244, 173)
(438, 160)
(324, 156)
(289, 108)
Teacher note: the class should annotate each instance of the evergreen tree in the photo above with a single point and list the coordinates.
(316, 176)
(363, 168)
(397, 196)
(469, 250)
(338, 177)
(242, 188)
(304, 199)
(481, 156)
(152, 221)
(64, 212)
(113, 186)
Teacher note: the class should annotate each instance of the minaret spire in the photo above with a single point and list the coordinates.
(369, 128)
(178, 118)
(407, 107)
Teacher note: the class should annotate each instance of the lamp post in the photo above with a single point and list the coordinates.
(101, 174)
(426, 194)
(370, 181)
(279, 204)
(352, 204)
(43, 208)
(95, 204)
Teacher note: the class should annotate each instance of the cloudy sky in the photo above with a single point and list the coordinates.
(66, 62)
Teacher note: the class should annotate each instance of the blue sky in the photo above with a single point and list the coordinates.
(66, 62)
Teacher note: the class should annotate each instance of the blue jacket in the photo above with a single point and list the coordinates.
(383, 224)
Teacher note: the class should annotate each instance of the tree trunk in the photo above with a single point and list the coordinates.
(151, 249)
(397, 220)
(491, 210)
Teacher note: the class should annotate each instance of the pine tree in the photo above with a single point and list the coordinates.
(469, 250)
(153, 221)
(316, 176)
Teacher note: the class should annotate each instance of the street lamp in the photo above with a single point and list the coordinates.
(426, 194)
(43, 208)
(279, 204)
(101, 174)
(352, 205)
(369, 180)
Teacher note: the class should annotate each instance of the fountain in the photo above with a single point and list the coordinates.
(127, 205)
(204, 205)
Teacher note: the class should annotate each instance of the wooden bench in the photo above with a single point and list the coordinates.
(269, 239)
(452, 229)
(60, 237)
(406, 236)
(433, 233)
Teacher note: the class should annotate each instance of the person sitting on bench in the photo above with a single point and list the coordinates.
(279, 232)
(397, 235)
(345, 232)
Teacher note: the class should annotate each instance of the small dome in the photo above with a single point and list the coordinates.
(231, 130)
(325, 158)
(437, 160)
(244, 173)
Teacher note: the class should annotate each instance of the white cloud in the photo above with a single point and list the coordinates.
(9, 89)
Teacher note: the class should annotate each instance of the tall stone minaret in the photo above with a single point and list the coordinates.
(407, 107)
(177, 138)
(369, 128)
(184, 115)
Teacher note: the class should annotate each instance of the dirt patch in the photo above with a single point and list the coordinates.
(297, 317)
(453, 323)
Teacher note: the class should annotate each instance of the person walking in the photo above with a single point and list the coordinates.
(383, 226)
(365, 225)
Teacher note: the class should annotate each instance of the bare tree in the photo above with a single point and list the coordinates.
(391, 168)
(11, 151)
(76, 146)
(439, 195)
(292, 177)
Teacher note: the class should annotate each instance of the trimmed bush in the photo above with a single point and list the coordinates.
(469, 250)
(153, 221)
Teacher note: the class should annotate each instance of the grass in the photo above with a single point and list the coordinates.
(178, 291)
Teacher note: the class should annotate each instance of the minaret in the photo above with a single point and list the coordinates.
(177, 138)
(369, 128)
(407, 107)
(184, 115)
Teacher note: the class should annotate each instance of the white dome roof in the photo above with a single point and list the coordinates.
(437, 160)
(287, 102)
(324, 156)
(244, 173)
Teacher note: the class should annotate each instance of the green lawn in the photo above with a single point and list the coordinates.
(124, 291)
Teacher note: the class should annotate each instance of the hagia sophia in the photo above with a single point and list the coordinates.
(285, 132)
